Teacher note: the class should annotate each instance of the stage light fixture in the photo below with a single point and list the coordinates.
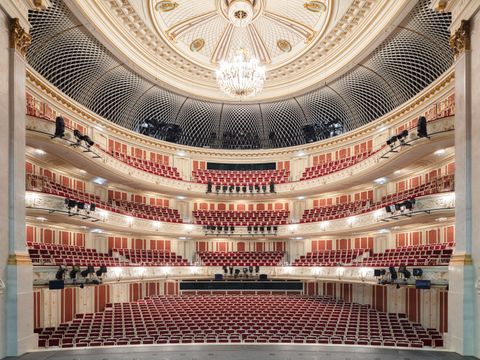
(60, 273)
(417, 272)
(393, 273)
(402, 137)
(73, 273)
(59, 127)
(101, 271)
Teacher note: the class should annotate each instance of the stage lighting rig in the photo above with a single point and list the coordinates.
(60, 275)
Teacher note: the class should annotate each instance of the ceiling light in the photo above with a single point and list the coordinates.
(380, 181)
(300, 197)
(298, 238)
(397, 172)
(439, 152)
(181, 197)
(41, 218)
(100, 181)
(181, 153)
(441, 219)
(39, 152)
(241, 77)
(301, 154)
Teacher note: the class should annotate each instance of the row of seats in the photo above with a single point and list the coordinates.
(239, 319)
(58, 254)
(45, 185)
(412, 255)
(145, 211)
(240, 178)
(331, 212)
(420, 255)
(329, 257)
(329, 167)
(244, 258)
(152, 167)
(138, 257)
(241, 218)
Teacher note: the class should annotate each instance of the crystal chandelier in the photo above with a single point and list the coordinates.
(241, 77)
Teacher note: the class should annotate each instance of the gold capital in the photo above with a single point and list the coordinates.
(18, 259)
(460, 39)
(20, 40)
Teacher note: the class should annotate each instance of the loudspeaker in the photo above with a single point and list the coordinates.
(272, 187)
(209, 187)
(56, 284)
(218, 277)
(422, 127)
(59, 127)
(263, 277)
(423, 284)
(378, 272)
(93, 207)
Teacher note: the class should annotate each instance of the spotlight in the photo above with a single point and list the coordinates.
(391, 141)
(92, 207)
(225, 269)
(388, 209)
(80, 205)
(398, 286)
(89, 270)
(59, 127)
(245, 271)
(257, 269)
(272, 187)
(393, 273)
(88, 141)
(209, 187)
(73, 273)
(402, 137)
(78, 135)
(237, 272)
(417, 272)
(60, 273)
(422, 127)
(101, 271)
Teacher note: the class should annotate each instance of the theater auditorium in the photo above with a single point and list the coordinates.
(242, 179)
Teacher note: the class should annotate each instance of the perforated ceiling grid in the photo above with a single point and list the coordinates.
(411, 58)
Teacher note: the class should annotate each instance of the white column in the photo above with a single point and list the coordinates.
(463, 299)
(17, 308)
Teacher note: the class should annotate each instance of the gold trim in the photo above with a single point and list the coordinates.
(460, 39)
(461, 259)
(19, 259)
(20, 40)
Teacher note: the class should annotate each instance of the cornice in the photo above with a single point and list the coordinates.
(410, 109)
(362, 27)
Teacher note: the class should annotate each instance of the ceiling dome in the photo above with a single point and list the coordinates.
(66, 53)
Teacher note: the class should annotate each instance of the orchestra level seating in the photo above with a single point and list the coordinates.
(144, 211)
(253, 258)
(331, 212)
(241, 218)
(237, 319)
(150, 166)
(248, 178)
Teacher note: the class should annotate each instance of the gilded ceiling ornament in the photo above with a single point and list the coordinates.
(20, 40)
(315, 6)
(166, 5)
(284, 45)
(197, 45)
(460, 39)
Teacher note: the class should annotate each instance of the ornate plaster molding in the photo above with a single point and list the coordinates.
(461, 260)
(20, 39)
(460, 39)
(19, 259)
